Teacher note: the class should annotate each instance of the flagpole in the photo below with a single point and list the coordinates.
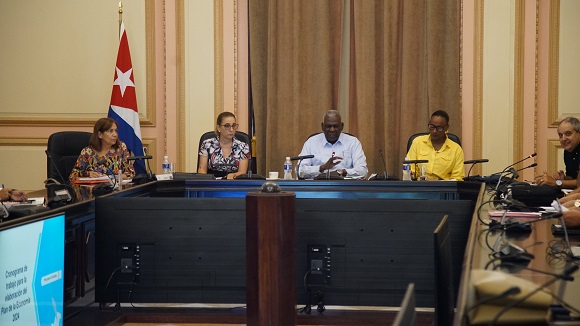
(120, 15)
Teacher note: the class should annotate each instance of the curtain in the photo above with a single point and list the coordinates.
(404, 64)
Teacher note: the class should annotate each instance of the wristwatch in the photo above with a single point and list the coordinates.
(559, 183)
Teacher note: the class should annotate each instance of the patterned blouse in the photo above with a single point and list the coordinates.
(108, 164)
(217, 162)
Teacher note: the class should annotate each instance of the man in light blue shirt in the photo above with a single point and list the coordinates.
(335, 153)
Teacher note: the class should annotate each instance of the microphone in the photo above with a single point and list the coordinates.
(501, 174)
(481, 160)
(303, 157)
(385, 174)
(520, 161)
(565, 275)
(515, 267)
(384, 164)
(249, 175)
(509, 292)
(58, 197)
(144, 157)
(415, 161)
(143, 177)
(54, 166)
(527, 167)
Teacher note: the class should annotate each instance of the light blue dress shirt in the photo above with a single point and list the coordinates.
(348, 147)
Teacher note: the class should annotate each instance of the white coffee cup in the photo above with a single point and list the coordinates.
(273, 175)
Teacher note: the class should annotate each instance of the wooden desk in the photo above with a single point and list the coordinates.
(380, 235)
(477, 256)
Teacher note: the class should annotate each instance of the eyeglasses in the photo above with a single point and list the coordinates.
(229, 126)
(438, 128)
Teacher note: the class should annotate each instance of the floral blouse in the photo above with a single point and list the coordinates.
(216, 160)
(108, 164)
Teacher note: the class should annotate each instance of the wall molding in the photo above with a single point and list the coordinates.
(478, 84)
(80, 119)
(554, 64)
(553, 147)
(518, 131)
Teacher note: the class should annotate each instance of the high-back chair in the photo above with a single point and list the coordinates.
(451, 136)
(240, 135)
(63, 150)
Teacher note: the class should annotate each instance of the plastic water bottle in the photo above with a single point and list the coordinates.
(166, 166)
(287, 169)
(406, 171)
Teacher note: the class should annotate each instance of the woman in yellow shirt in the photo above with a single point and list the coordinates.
(444, 155)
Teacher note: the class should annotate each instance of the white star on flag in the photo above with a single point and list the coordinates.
(124, 79)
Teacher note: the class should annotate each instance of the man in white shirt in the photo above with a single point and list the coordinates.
(335, 153)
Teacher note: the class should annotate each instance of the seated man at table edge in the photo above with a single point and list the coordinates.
(106, 154)
(7, 194)
(224, 155)
(444, 155)
(333, 151)
(569, 137)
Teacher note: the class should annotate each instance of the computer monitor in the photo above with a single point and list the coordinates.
(32, 271)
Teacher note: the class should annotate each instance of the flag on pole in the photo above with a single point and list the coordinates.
(123, 107)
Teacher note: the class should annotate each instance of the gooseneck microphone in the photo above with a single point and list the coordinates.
(501, 174)
(415, 161)
(509, 292)
(385, 172)
(249, 175)
(143, 177)
(513, 266)
(300, 158)
(55, 167)
(474, 162)
(482, 160)
(144, 157)
(62, 196)
(565, 275)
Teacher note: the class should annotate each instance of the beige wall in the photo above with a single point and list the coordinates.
(57, 71)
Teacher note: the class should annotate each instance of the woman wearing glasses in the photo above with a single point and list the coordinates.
(444, 155)
(106, 154)
(224, 155)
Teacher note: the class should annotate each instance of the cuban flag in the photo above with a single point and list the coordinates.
(123, 107)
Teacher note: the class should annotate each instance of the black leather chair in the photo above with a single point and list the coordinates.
(451, 136)
(63, 151)
(240, 135)
(316, 133)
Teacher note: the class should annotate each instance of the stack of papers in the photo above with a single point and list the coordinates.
(92, 180)
(37, 201)
(519, 216)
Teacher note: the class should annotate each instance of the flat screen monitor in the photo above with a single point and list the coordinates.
(32, 271)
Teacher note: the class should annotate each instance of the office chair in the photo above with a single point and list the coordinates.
(444, 293)
(240, 135)
(451, 136)
(63, 149)
(407, 316)
(316, 133)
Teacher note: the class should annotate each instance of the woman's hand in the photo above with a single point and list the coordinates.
(95, 174)
(231, 176)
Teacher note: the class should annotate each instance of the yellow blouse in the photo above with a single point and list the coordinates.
(444, 164)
